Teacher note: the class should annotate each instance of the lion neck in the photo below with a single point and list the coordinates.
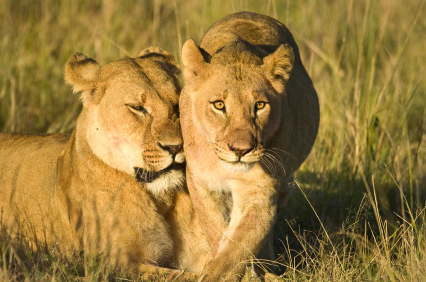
(91, 173)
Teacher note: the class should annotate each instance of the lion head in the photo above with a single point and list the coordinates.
(132, 117)
(239, 98)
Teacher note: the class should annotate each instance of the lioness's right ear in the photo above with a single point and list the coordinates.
(193, 61)
(82, 73)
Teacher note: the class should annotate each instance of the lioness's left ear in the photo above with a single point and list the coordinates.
(166, 59)
(278, 65)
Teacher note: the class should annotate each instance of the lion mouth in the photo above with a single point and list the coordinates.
(146, 176)
(237, 160)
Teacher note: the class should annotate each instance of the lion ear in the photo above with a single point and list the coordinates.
(278, 66)
(193, 60)
(82, 73)
(166, 59)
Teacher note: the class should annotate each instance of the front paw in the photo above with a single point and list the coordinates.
(222, 271)
(154, 273)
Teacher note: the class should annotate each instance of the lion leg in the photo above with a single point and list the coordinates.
(266, 258)
(284, 193)
(267, 254)
(252, 218)
(210, 215)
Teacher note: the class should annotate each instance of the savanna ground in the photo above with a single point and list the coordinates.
(358, 211)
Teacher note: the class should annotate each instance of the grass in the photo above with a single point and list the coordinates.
(358, 212)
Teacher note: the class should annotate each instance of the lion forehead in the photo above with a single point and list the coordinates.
(135, 86)
(238, 79)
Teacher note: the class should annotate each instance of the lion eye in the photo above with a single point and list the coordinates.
(220, 105)
(260, 105)
(137, 108)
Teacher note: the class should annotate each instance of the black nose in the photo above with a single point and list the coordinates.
(172, 149)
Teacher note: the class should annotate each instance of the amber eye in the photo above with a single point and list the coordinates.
(220, 105)
(260, 105)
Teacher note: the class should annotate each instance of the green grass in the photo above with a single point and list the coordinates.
(358, 212)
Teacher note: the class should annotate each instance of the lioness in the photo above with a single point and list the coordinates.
(248, 105)
(116, 185)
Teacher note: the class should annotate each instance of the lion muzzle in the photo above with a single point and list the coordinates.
(147, 176)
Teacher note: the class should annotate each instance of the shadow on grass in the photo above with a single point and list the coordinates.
(325, 211)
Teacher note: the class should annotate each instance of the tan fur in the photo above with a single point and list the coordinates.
(80, 192)
(240, 160)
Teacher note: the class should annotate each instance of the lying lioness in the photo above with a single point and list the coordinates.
(116, 185)
(249, 117)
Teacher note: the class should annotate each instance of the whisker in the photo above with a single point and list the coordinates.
(274, 159)
(270, 165)
(262, 162)
(267, 164)
(282, 151)
(271, 161)
(276, 154)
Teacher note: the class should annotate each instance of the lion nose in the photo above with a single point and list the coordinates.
(172, 149)
(240, 150)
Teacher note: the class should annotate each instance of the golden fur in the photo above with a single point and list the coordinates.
(116, 185)
(249, 118)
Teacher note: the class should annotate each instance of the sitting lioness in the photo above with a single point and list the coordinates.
(115, 186)
(249, 117)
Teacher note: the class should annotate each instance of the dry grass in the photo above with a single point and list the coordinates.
(358, 214)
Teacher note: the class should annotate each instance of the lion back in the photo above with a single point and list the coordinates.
(27, 182)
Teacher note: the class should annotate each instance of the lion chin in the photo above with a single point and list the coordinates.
(159, 181)
(238, 166)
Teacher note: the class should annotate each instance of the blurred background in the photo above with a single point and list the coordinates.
(360, 194)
